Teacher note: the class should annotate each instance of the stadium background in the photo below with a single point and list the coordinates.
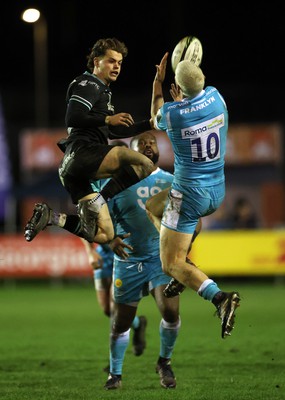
(241, 57)
(54, 336)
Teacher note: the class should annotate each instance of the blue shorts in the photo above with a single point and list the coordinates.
(134, 280)
(104, 272)
(185, 205)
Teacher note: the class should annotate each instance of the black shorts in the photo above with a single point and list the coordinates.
(79, 165)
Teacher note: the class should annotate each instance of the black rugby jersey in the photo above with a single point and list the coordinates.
(89, 101)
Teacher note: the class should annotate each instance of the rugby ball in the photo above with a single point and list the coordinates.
(188, 48)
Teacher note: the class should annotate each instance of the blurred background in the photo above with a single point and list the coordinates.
(242, 58)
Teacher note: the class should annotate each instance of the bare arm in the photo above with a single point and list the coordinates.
(157, 100)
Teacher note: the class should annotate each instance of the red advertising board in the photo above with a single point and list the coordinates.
(46, 256)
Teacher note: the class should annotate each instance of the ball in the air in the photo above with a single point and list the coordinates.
(189, 48)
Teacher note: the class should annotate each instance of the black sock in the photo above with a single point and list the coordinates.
(72, 224)
(119, 376)
(119, 182)
(218, 298)
(162, 360)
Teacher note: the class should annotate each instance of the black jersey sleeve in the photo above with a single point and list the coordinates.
(86, 103)
(78, 116)
(126, 132)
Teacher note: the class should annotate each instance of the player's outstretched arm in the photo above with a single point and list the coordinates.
(157, 100)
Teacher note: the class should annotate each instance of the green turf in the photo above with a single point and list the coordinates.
(54, 345)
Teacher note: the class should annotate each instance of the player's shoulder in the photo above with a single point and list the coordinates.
(210, 89)
(213, 91)
(164, 172)
(161, 173)
(88, 80)
(171, 104)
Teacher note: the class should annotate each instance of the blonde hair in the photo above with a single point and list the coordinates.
(190, 78)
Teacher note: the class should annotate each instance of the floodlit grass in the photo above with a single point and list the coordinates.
(54, 345)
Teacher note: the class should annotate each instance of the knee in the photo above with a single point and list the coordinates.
(144, 170)
(171, 316)
(120, 327)
(167, 267)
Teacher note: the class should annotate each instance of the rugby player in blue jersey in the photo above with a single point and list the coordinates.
(197, 125)
(137, 268)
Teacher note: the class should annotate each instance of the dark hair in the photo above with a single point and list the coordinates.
(100, 48)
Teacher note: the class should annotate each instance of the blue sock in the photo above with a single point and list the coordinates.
(118, 348)
(208, 289)
(168, 334)
(136, 322)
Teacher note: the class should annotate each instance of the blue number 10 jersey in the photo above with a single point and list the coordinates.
(197, 129)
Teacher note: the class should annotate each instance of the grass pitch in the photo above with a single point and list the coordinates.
(54, 345)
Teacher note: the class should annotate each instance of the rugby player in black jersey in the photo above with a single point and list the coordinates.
(91, 120)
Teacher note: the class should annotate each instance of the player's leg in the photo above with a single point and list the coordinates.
(168, 332)
(174, 247)
(127, 291)
(125, 167)
(118, 157)
(102, 261)
(174, 250)
(103, 286)
(44, 216)
(170, 319)
(103, 293)
(154, 207)
(180, 218)
(174, 287)
(119, 340)
(139, 325)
